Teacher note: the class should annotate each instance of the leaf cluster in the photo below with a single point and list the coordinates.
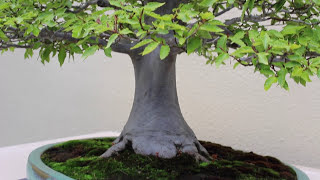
(68, 27)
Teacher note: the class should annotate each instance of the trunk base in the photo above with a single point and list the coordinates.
(163, 145)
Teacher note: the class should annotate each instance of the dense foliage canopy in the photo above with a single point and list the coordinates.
(246, 33)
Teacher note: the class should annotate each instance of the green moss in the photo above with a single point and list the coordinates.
(87, 143)
(270, 172)
(128, 165)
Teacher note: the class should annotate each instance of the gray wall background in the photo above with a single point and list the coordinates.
(223, 105)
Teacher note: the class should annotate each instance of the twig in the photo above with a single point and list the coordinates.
(83, 6)
(224, 11)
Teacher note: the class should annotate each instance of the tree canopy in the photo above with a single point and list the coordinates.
(247, 36)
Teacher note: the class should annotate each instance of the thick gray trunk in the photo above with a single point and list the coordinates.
(156, 102)
(156, 125)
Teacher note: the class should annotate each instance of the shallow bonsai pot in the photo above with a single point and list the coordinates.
(37, 170)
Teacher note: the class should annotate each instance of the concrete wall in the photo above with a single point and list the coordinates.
(222, 105)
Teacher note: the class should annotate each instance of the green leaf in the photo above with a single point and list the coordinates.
(266, 72)
(317, 2)
(62, 55)
(45, 56)
(292, 64)
(76, 49)
(36, 45)
(4, 5)
(111, 40)
(315, 61)
(222, 44)
(184, 16)
(253, 34)
(207, 15)
(269, 82)
(28, 53)
(251, 5)
(116, 3)
(237, 38)
(152, 46)
(303, 82)
(280, 45)
(207, 3)
(236, 65)
(18, 20)
(181, 40)
(318, 73)
(282, 76)
(304, 40)
(313, 70)
(35, 31)
(142, 43)
(294, 46)
(90, 51)
(76, 32)
(279, 4)
(263, 58)
(219, 60)
(60, 12)
(298, 3)
(286, 86)
(297, 71)
(204, 34)
(151, 6)
(164, 52)
(107, 51)
(265, 41)
(238, 35)
(125, 31)
(193, 29)
(247, 4)
(12, 49)
(240, 52)
(204, 164)
(3, 36)
(305, 76)
(193, 44)
(275, 33)
(291, 29)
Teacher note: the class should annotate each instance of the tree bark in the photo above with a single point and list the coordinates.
(156, 125)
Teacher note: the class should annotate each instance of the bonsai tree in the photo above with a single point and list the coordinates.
(153, 33)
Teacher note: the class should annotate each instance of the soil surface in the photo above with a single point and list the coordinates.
(79, 159)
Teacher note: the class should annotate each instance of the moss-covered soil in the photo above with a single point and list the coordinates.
(79, 159)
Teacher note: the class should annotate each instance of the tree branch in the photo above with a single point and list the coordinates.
(224, 11)
(6, 46)
(278, 59)
(295, 20)
(83, 6)
(255, 18)
(121, 45)
(104, 3)
(268, 13)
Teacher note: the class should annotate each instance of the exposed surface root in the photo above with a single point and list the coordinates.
(164, 146)
(117, 147)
